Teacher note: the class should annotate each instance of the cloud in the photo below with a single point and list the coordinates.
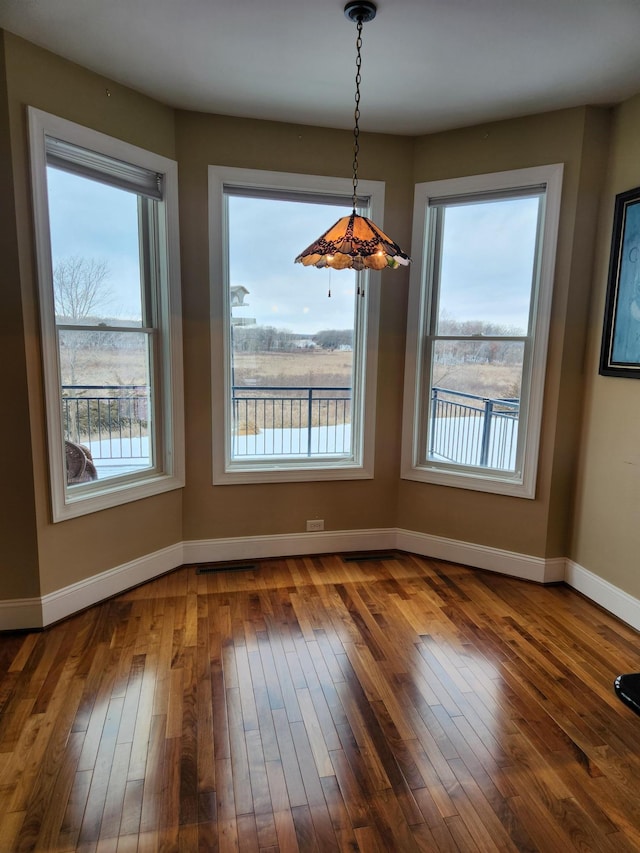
(98, 222)
(265, 236)
(488, 258)
(486, 271)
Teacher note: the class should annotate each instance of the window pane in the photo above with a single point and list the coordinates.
(481, 287)
(108, 276)
(487, 266)
(291, 345)
(104, 376)
(95, 251)
(106, 403)
(475, 403)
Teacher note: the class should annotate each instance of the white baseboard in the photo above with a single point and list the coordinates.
(287, 545)
(608, 596)
(29, 613)
(71, 599)
(482, 557)
(38, 613)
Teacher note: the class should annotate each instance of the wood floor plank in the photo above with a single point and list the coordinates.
(266, 830)
(354, 797)
(317, 742)
(74, 811)
(313, 704)
(131, 808)
(286, 832)
(104, 758)
(247, 834)
(53, 774)
(239, 761)
(305, 833)
(10, 826)
(288, 760)
(338, 813)
(226, 809)
(151, 813)
(114, 801)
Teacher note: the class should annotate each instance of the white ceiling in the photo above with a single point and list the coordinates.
(427, 64)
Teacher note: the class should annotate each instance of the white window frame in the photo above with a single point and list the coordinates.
(168, 470)
(521, 483)
(225, 469)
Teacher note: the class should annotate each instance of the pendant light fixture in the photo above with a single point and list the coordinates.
(355, 242)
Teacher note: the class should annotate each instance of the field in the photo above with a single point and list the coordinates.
(497, 381)
(254, 410)
(325, 369)
(102, 365)
(317, 368)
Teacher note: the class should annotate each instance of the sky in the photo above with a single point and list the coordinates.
(488, 255)
(486, 274)
(265, 236)
(95, 221)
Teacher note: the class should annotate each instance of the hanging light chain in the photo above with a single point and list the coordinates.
(354, 241)
(356, 114)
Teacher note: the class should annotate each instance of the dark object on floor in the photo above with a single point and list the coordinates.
(627, 688)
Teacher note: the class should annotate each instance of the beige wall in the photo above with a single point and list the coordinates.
(38, 557)
(79, 548)
(18, 552)
(232, 510)
(606, 534)
(535, 527)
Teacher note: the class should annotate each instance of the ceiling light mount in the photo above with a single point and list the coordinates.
(360, 10)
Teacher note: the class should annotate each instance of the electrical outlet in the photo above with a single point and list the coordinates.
(315, 524)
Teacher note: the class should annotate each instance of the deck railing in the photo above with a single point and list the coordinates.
(267, 420)
(283, 420)
(112, 419)
(472, 430)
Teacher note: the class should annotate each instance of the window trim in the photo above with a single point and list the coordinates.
(518, 484)
(226, 472)
(169, 470)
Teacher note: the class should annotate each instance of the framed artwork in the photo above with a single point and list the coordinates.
(620, 354)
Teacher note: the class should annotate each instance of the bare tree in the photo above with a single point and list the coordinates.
(80, 292)
(79, 286)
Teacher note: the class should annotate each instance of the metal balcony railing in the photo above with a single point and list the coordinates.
(472, 430)
(283, 420)
(113, 420)
(267, 420)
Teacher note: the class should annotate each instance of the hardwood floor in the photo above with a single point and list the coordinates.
(315, 704)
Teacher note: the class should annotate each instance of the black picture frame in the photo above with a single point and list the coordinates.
(620, 352)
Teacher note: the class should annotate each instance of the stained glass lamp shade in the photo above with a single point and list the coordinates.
(354, 242)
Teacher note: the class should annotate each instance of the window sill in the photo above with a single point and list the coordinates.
(294, 472)
(85, 502)
(514, 485)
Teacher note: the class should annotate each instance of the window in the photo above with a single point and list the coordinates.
(106, 237)
(294, 389)
(484, 253)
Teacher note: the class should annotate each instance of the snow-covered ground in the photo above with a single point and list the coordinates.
(456, 440)
(460, 440)
(325, 441)
(116, 456)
